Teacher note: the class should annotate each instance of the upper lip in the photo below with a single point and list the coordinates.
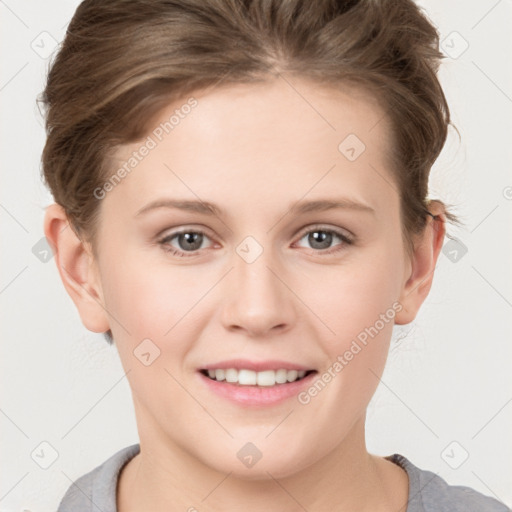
(256, 366)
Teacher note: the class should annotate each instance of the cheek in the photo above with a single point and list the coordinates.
(150, 299)
(360, 308)
(358, 302)
(350, 298)
(360, 305)
(160, 302)
(151, 308)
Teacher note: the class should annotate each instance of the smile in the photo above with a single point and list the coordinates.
(246, 377)
(255, 384)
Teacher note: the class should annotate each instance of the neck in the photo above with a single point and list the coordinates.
(165, 477)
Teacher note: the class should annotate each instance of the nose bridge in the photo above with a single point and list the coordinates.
(257, 300)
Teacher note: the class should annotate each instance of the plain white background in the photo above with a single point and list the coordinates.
(446, 393)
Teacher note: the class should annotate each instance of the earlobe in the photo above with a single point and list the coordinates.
(423, 263)
(75, 265)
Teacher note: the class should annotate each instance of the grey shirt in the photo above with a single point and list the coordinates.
(96, 490)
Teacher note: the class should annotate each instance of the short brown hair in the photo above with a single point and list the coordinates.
(122, 61)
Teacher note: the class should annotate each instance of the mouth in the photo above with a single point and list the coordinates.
(246, 377)
(256, 384)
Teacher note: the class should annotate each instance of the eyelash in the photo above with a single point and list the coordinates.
(164, 242)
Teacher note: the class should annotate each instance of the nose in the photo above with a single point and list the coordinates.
(258, 300)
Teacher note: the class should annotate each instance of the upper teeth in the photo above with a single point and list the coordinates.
(251, 378)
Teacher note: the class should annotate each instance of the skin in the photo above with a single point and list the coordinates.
(253, 150)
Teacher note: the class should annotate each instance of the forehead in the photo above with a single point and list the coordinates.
(286, 136)
(279, 112)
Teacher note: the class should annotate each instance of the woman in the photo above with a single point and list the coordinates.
(242, 207)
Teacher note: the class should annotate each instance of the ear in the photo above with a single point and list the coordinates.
(77, 269)
(420, 274)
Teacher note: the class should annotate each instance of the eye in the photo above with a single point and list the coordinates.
(320, 238)
(187, 240)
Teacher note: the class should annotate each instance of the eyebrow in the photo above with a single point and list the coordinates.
(207, 208)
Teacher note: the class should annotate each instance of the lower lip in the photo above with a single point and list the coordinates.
(257, 395)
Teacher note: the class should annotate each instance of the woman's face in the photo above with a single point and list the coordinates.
(273, 279)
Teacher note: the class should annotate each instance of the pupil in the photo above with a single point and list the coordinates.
(321, 237)
(190, 239)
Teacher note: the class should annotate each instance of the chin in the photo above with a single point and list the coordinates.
(249, 464)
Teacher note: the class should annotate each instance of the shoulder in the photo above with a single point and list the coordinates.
(97, 489)
(428, 492)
